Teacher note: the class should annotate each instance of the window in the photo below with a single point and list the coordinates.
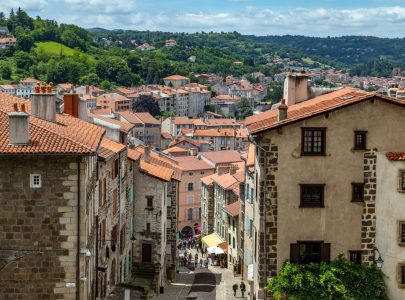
(115, 167)
(307, 252)
(250, 228)
(401, 275)
(190, 174)
(190, 214)
(190, 199)
(233, 242)
(312, 195)
(149, 202)
(202, 173)
(401, 233)
(115, 201)
(355, 256)
(360, 138)
(402, 180)
(35, 181)
(190, 186)
(358, 192)
(147, 227)
(313, 141)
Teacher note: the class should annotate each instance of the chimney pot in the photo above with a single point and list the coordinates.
(43, 104)
(282, 111)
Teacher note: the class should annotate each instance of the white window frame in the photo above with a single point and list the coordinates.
(33, 183)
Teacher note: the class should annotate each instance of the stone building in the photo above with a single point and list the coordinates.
(207, 204)
(155, 216)
(315, 192)
(113, 221)
(47, 184)
(176, 81)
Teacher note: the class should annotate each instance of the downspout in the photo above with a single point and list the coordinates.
(78, 233)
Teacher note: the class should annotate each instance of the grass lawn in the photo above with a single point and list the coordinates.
(308, 60)
(55, 49)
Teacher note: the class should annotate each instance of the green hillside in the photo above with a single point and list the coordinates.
(55, 49)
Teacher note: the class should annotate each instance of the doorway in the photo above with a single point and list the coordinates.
(146, 253)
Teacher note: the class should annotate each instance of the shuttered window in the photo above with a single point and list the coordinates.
(313, 141)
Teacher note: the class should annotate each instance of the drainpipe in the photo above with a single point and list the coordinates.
(78, 233)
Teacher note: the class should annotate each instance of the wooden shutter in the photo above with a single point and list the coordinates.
(113, 170)
(294, 253)
(325, 252)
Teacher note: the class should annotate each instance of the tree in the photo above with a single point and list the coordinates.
(340, 279)
(25, 42)
(106, 85)
(147, 103)
(23, 60)
(244, 108)
(90, 79)
(276, 91)
(114, 69)
(5, 71)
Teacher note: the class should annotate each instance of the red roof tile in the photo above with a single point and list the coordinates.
(396, 155)
(309, 108)
(68, 135)
(139, 118)
(109, 147)
(233, 209)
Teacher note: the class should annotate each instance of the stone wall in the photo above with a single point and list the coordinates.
(267, 236)
(38, 228)
(368, 219)
(172, 212)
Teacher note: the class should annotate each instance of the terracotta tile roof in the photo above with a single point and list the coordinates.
(30, 80)
(207, 180)
(134, 155)
(192, 163)
(396, 155)
(240, 175)
(156, 171)
(223, 132)
(225, 98)
(66, 86)
(220, 122)
(124, 127)
(139, 118)
(175, 77)
(313, 107)
(219, 157)
(114, 97)
(226, 181)
(186, 140)
(159, 159)
(232, 209)
(7, 87)
(68, 135)
(103, 111)
(109, 147)
(175, 150)
(166, 135)
(182, 121)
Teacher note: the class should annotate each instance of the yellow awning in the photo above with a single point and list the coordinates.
(212, 240)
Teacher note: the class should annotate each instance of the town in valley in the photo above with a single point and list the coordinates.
(139, 164)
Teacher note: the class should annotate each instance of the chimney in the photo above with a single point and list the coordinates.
(147, 151)
(18, 126)
(282, 111)
(43, 102)
(71, 104)
(296, 88)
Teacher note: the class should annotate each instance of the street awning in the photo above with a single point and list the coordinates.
(211, 240)
(224, 246)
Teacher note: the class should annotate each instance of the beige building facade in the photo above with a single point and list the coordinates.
(316, 196)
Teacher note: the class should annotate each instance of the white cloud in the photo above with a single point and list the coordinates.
(28, 5)
(102, 6)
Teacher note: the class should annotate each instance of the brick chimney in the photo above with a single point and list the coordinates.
(71, 104)
(282, 111)
(147, 151)
(43, 102)
(18, 126)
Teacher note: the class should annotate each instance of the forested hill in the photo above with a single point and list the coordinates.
(340, 52)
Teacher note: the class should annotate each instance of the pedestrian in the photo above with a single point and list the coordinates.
(201, 262)
(235, 288)
(242, 289)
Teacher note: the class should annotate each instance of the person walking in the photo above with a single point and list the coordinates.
(235, 288)
(242, 289)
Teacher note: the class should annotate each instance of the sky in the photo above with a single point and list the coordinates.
(259, 17)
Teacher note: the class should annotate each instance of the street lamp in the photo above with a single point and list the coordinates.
(379, 261)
